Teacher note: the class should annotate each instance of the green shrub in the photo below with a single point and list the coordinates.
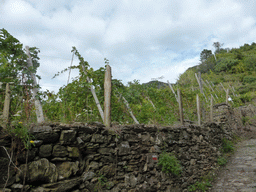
(202, 186)
(169, 163)
(249, 79)
(21, 132)
(227, 146)
(222, 161)
(245, 119)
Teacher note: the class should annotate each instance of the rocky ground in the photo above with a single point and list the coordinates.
(239, 175)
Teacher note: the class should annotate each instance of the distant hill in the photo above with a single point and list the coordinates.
(157, 84)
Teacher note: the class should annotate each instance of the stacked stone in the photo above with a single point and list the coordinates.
(92, 158)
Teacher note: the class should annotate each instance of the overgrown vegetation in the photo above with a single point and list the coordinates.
(169, 164)
(152, 103)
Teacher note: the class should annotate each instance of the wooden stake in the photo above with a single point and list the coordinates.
(170, 85)
(227, 96)
(211, 110)
(129, 109)
(198, 109)
(107, 97)
(200, 84)
(223, 87)
(212, 89)
(231, 90)
(94, 95)
(180, 107)
(38, 106)
(151, 102)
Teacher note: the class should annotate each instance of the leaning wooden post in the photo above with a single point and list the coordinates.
(38, 106)
(172, 91)
(180, 107)
(198, 109)
(107, 97)
(227, 96)
(6, 105)
(211, 110)
(94, 95)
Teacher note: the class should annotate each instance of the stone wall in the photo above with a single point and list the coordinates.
(93, 158)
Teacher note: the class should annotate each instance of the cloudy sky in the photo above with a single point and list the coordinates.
(143, 39)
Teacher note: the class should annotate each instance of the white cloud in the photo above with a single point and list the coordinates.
(142, 39)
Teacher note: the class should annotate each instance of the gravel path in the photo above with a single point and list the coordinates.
(239, 175)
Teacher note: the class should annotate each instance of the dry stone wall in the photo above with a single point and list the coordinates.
(93, 158)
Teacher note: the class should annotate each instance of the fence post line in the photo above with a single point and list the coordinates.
(198, 109)
(6, 105)
(227, 96)
(211, 110)
(107, 97)
(38, 106)
(180, 107)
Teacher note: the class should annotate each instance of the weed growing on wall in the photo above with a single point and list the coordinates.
(227, 146)
(222, 161)
(202, 186)
(21, 132)
(170, 164)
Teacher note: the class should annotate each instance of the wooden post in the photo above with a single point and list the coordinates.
(151, 102)
(129, 109)
(227, 96)
(172, 90)
(223, 87)
(6, 105)
(211, 110)
(38, 106)
(232, 90)
(200, 84)
(94, 96)
(180, 107)
(198, 109)
(213, 86)
(212, 89)
(107, 97)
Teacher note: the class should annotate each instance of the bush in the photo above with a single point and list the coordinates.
(202, 186)
(249, 79)
(225, 64)
(227, 146)
(170, 164)
(222, 161)
(250, 63)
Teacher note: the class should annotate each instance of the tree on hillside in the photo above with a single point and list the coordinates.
(217, 46)
(204, 55)
(207, 61)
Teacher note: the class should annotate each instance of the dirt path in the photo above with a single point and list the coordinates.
(239, 175)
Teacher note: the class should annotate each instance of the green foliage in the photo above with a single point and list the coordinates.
(227, 146)
(249, 79)
(222, 161)
(14, 68)
(250, 63)
(225, 64)
(170, 164)
(245, 120)
(202, 186)
(21, 132)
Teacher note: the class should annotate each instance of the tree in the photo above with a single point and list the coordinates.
(205, 54)
(207, 61)
(217, 46)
